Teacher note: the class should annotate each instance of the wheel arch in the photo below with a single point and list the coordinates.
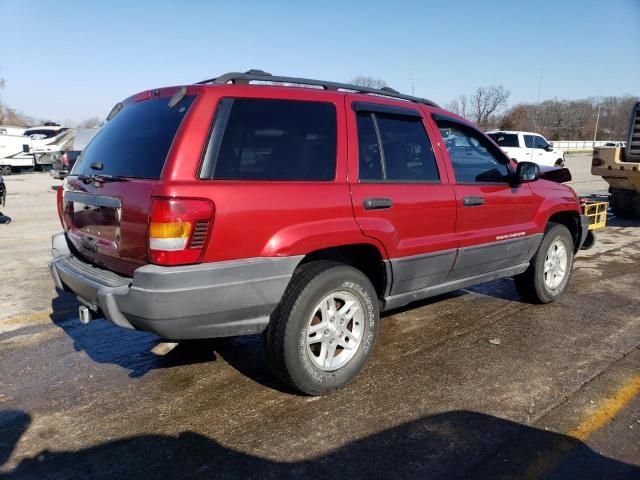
(569, 219)
(363, 256)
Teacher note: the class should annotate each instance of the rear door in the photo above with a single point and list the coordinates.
(108, 194)
(400, 191)
(495, 220)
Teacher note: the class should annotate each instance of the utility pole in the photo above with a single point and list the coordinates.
(595, 133)
(535, 117)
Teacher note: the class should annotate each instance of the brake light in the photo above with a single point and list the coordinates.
(179, 230)
(59, 194)
(64, 159)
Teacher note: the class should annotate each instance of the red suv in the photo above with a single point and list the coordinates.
(229, 208)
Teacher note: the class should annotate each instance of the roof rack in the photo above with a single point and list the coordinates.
(255, 75)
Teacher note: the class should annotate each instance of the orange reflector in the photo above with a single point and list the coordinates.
(170, 230)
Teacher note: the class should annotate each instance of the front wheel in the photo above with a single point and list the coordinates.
(323, 331)
(550, 269)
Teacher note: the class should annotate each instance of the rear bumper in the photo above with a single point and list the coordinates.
(210, 300)
(59, 172)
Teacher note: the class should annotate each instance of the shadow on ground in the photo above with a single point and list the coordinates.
(104, 342)
(450, 445)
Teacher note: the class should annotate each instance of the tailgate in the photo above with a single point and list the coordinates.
(108, 223)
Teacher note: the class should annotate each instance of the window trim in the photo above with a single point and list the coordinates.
(383, 108)
(465, 126)
(216, 133)
(416, 118)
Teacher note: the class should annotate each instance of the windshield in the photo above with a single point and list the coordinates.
(136, 141)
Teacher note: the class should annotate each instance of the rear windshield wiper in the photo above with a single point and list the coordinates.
(101, 178)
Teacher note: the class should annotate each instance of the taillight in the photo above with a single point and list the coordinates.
(59, 194)
(597, 162)
(65, 160)
(179, 230)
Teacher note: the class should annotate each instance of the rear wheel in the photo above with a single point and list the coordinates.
(622, 202)
(6, 170)
(323, 331)
(550, 269)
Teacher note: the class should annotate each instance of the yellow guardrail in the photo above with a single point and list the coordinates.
(597, 213)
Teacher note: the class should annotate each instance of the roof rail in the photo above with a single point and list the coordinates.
(254, 75)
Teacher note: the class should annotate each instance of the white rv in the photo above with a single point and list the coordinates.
(31, 147)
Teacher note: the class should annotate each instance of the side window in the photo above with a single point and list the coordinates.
(505, 139)
(274, 140)
(370, 162)
(528, 141)
(395, 149)
(474, 159)
(539, 142)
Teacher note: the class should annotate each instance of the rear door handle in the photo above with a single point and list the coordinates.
(377, 203)
(472, 201)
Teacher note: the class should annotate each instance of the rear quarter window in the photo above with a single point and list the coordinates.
(264, 139)
(136, 141)
(505, 139)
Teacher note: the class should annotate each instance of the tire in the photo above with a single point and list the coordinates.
(291, 352)
(622, 203)
(6, 170)
(536, 286)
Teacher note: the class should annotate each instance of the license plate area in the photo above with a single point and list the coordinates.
(93, 220)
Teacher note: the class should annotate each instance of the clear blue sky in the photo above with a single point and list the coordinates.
(71, 60)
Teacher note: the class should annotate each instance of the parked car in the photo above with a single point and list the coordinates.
(528, 147)
(615, 144)
(229, 208)
(63, 161)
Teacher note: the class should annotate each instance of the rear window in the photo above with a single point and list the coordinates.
(505, 139)
(261, 139)
(136, 141)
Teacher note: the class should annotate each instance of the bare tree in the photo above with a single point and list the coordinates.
(91, 122)
(459, 106)
(486, 101)
(369, 82)
(11, 116)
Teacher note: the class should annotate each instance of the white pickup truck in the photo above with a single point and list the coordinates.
(528, 147)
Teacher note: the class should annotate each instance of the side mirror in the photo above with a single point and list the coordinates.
(549, 147)
(550, 144)
(527, 172)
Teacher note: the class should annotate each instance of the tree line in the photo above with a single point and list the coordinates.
(555, 119)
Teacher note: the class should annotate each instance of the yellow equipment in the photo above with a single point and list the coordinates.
(620, 168)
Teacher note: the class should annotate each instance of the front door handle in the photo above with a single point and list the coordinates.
(473, 201)
(377, 203)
